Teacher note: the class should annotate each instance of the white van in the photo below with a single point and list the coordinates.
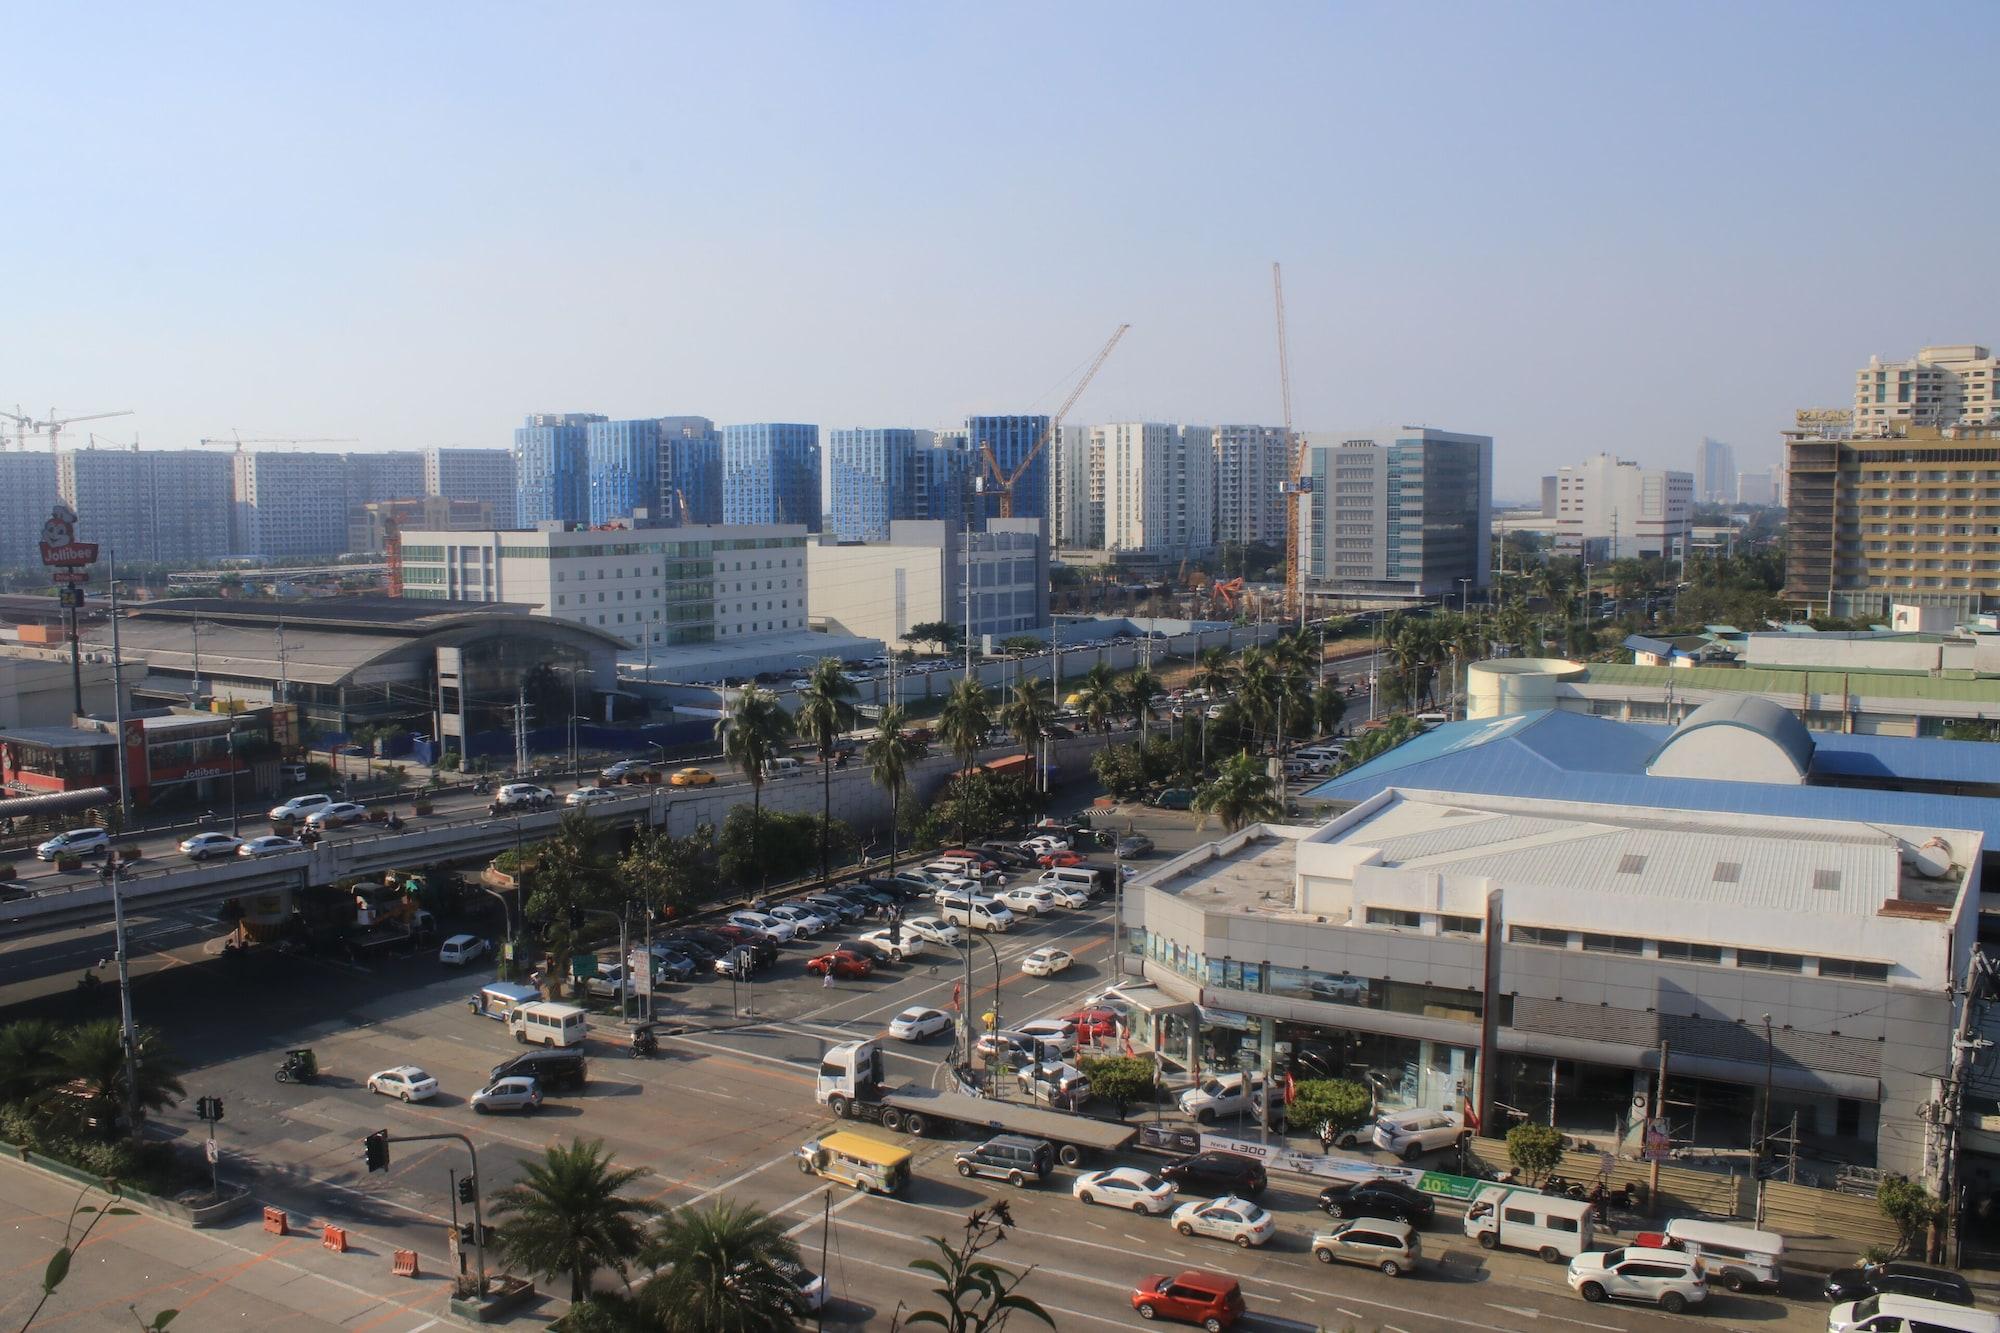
(1086, 878)
(1907, 1314)
(547, 1023)
(1738, 1258)
(500, 999)
(780, 767)
(976, 913)
(1554, 1228)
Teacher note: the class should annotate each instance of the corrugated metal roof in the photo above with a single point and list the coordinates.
(1791, 684)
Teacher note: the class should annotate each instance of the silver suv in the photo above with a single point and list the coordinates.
(1666, 1278)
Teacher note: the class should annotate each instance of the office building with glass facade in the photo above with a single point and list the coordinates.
(690, 472)
(552, 468)
(624, 460)
(1405, 514)
(1012, 438)
(771, 473)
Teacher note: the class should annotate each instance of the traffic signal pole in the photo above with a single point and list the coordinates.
(478, 1207)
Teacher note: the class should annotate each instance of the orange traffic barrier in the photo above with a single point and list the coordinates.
(334, 1238)
(274, 1222)
(404, 1264)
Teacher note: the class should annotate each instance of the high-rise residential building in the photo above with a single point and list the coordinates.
(881, 475)
(289, 505)
(1012, 439)
(27, 494)
(1609, 509)
(770, 474)
(1942, 386)
(1250, 466)
(1070, 516)
(941, 485)
(386, 476)
(652, 587)
(1890, 512)
(1714, 473)
(1159, 487)
(152, 506)
(552, 468)
(918, 574)
(624, 461)
(1406, 513)
(690, 472)
(472, 474)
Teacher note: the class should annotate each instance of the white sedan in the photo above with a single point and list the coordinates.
(589, 796)
(405, 1081)
(1067, 895)
(1028, 900)
(805, 924)
(338, 815)
(1126, 1187)
(1045, 962)
(204, 845)
(932, 929)
(918, 1022)
(1227, 1218)
(911, 945)
(269, 845)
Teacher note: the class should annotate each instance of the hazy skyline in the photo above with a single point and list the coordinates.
(1573, 227)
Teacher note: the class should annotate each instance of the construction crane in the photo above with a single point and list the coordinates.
(238, 441)
(1003, 484)
(26, 425)
(1296, 482)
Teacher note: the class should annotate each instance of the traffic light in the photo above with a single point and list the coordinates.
(465, 1189)
(208, 1108)
(375, 1150)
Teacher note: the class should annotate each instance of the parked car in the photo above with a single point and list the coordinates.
(1045, 961)
(1054, 1034)
(865, 948)
(75, 842)
(515, 1092)
(1173, 798)
(845, 966)
(299, 807)
(1050, 860)
(461, 949)
(338, 814)
(1135, 844)
(918, 1022)
(1093, 1024)
(1055, 1082)
(1207, 1171)
(1897, 1277)
(1377, 1198)
(900, 948)
(763, 946)
(1028, 900)
(204, 845)
(269, 845)
(1221, 1095)
(1227, 1218)
(932, 929)
(842, 909)
(589, 796)
(1390, 1246)
(1666, 1278)
(774, 927)
(806, 923)
(407, 1082)
(1411, 1134)
(1190, 1297)
(1126, 1187)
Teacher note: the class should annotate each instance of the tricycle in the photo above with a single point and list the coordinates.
(300, 1066)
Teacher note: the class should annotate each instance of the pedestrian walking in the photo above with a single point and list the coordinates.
(826, 977)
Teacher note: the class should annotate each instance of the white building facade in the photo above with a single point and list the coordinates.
(168, 506)
(1250, 466)
(1159, 487)
(1608, 509)
(1940, 386)
(289, 505)
(471, 474)
(878, 590)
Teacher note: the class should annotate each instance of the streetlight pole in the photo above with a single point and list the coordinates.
(232, 776)
(1763, 1107)
(1464, 595)
(128, 1034)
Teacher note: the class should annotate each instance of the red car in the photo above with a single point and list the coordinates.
(1192, 1297)
(846, 966)
(1050, 860)
(1093, 1024)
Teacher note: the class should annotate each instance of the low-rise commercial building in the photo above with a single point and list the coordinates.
(1609, 509)
(878, 590)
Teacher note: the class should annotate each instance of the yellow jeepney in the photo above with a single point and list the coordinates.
(857, 1160)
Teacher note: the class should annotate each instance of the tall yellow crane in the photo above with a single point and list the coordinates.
(1296, 482)
(26, 425)
(1003, 484)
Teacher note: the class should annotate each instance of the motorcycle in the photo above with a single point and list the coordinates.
(644, 1044)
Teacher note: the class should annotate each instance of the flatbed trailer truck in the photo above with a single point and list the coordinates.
(851, 1086)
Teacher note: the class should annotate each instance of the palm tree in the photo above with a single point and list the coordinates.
(1214, 673)
(1138, 689)
(1097, 697)
(825, 714)
(889, 753)
(568, 1217)
(1241, 792)
(751, 732)
(1257, 688)
(964, 721)
(28, 1058)
(1329, 706)
(1027, 713)
(722, 1269)
(92, 1057)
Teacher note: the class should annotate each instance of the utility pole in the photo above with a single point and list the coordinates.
(118, 695)
(1656, 1106)
(1764, 1106)
(128, 1034)
(520, 730)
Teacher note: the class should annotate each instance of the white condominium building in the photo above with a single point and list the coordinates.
(1159, 487)
(168, 506)
(1249, 466)
(289, 505)
(470, 474)
(1609, 509)
(1940, 387)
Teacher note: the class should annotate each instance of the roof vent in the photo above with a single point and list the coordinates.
(1728, 872)
(1826, 879)
(1631, 863)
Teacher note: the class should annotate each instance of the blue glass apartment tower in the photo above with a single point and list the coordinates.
(552, 468)
(770, 474)
(872, 472)
(690, 471)
(624, 468)
(1011, 438)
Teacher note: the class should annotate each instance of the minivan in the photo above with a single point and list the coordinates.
(556, 1071)
(1088, 878)
(780, 767)
(76, 842)
(1009, 1157)
(976, 913)
(1907, 1314)
(547, 1023)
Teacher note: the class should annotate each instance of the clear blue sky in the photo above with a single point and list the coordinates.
(1577, 227)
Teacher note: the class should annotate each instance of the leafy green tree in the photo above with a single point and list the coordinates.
(979, 804)
(1122, 769)
(1534, 1151)
(1329, 707)
(826, 713)
(1122, 1080)
(978, 1295)
(751, 732)
(1336, 1101)
(890, 753)
(669, 874)
(1025, 644)
(568, 1215)
(776, 845)
(1241, 793)
(1381, 740)
(1912, 1210)
(92, 1058)
(946, 636)
(1027, 714)
(721, 1268)
(568, 876)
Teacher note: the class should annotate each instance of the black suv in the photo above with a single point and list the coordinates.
(1897, 1278)
(556, 1071)
(1217, 1173)
(1378, 1198)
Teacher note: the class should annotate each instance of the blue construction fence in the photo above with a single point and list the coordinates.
(425, 749)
